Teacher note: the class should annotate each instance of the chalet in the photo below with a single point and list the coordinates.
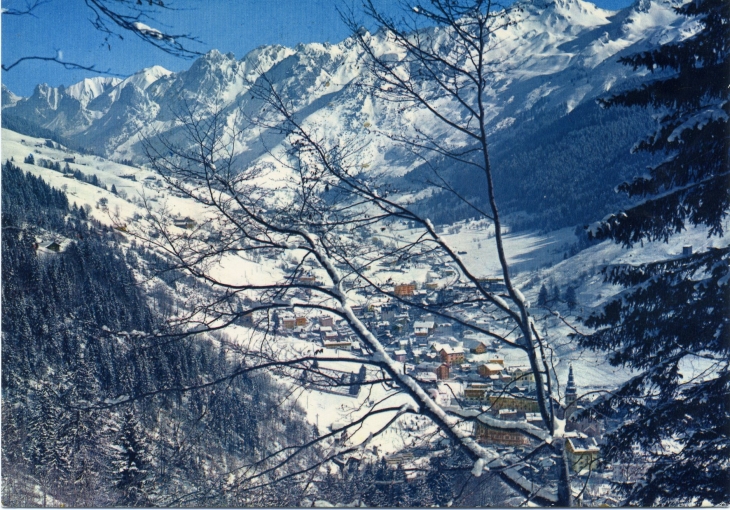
(423, 328)
(582, 453)
(404, 290)
(301, 321)
(491, 435)
(489, 369)
(400, 355)
(452, 355)
(186, 223)
(70, 160)
(326, 321)
(475, 346)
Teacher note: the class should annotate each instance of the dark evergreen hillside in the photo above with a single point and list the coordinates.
(70, 347)
(558, 172)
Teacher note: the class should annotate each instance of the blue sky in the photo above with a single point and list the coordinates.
(63, 28)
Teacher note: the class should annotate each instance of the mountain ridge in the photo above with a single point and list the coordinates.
(561, 54)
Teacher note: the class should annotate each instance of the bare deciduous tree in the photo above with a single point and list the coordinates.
(114, 19)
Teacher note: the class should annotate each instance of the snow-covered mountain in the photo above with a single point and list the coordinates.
(548, 69)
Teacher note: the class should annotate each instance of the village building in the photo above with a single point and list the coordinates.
(496, 359)
(440, 369)
(475, 346)
(329, 336)
(491, 435)
(338, 344)
(571, 394)
(452, 355)
(582, 453)
(493, 283)
(489, 369)
(186, 223)
(522, 377)
(404, 290)
(423, 328)
(523, 404)
(388, 312)
(476, 393)
(288, 322)
(426, 377)
(400, 355)
(326, 321)
(307, 279)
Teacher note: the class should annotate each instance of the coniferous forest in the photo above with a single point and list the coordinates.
(63, 443)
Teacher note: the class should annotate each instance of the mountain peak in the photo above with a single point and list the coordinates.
(90, 88)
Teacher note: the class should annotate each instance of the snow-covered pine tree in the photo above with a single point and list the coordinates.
(132, 461)
(543, 298)
(570, 298)
(671, 322)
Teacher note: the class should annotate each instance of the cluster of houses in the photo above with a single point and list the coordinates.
(438, 353)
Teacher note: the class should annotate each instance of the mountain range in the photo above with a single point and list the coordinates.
(552, 144)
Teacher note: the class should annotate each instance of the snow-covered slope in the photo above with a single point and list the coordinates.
(535, 258)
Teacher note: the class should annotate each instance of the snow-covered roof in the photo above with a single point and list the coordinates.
(452, 350)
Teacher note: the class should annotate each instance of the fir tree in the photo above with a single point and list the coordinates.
(132, 461)
(555, 294)
(671, 323)
(542, 298)
(570, 298)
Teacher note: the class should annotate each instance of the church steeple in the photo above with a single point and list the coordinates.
(571, 392)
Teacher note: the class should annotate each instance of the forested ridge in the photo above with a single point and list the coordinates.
(551, 170)
(73, 341)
